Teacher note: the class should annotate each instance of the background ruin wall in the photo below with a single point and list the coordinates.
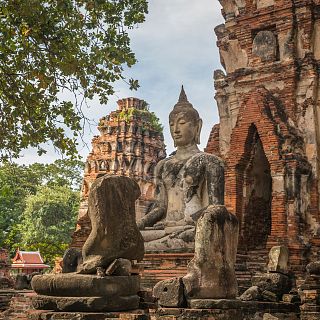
(269, 132)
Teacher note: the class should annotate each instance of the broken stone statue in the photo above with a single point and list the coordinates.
(191, 191)
(103, 281)
(276, 283)
(187, 182)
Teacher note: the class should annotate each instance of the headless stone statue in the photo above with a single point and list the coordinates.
(104, 281)
(186, 184)
(114, 231)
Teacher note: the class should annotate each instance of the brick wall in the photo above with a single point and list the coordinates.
(20, 303)
(270, 89)
(213, 141)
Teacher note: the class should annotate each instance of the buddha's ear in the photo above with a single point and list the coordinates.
(197, 137)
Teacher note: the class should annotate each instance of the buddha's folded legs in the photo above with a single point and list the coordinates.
(169, 239)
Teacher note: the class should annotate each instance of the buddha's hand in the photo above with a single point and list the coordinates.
(159, 225)
(141, 224)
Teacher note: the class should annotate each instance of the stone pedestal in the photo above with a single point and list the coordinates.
(86, 304)
(230, 309)
(208, 309)
(49, 315)
(86, 293)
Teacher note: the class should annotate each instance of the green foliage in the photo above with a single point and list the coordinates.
(155, 122)
(126, 114)
(64, 172)
(54, 46)
(48, 220)
(144, 114)
(19, 183)
(16, 183)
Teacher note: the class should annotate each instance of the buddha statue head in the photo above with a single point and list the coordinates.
(185, 123)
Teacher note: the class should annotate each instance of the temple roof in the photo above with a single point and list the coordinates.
(28, 259)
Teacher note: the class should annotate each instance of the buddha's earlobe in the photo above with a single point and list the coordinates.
(197, 137)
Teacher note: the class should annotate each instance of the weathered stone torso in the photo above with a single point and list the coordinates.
(179, 211)
(173, 170)
(186, 188)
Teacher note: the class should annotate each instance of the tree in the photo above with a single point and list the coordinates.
(64, 172)
(48, 220)
(56, 46)
(17, 183)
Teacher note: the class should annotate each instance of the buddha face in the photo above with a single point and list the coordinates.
(184, 131)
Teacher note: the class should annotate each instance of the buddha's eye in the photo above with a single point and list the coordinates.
(170, 124)
(182, 122)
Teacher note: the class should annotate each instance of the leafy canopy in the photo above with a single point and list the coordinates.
(18, 187)
(55, 46)
(48, 220)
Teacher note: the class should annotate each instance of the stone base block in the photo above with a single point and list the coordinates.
(230, 310)
(215, 304)
(86, 304)
(81, 285)
(224, 304)
(223, 310)
(49, 315)
(87, 293)
(310, 316)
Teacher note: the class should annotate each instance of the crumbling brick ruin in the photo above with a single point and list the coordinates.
(269, 131)
(4, 263)
(130, 144)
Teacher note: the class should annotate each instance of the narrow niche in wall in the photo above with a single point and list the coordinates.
(257, 191)
(265, 44)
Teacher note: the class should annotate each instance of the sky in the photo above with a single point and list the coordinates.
(175, 45)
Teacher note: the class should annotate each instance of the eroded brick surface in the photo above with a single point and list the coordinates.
(269, 131)
(129, 144)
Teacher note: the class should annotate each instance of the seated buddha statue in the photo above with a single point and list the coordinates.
(187, 182)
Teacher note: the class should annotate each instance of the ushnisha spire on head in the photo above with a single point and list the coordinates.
(183, 96)
(183, 100)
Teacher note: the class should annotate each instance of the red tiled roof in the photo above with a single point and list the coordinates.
(28, 259)
(31, 257)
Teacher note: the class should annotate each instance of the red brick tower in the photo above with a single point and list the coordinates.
(130, 144)
(269, 131)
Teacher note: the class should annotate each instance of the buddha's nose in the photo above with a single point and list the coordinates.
(176, 128)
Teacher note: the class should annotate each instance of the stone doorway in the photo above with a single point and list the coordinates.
(257, 194)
